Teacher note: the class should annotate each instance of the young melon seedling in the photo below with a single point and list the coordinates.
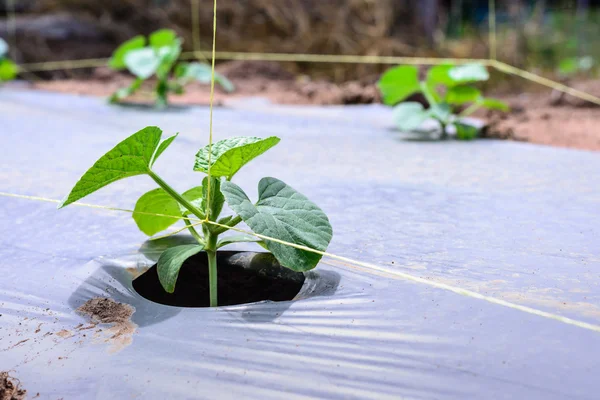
(280, 213)
(158, 57)
(8, 69)
(399, 83)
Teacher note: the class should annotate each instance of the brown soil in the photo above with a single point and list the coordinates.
(10, 388)
(236, 285)
(107, 311)
(542, 117)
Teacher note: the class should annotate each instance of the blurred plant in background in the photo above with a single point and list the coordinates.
(8, 69)
(158, 56)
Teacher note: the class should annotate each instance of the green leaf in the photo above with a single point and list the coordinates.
(3, 47)
(168, 55)
(409, 115)
(458, 95)
(468, 73)
(170, 263)
(227, 240)
(283, 213)
(439, 75)
(162, 147)
(229, 155)
(398, 83)
(8, 70)
(441, 112)
(568, 66)
(131, 157)
(201, 72)
(493, 104)
(156, 201)
(123, 93)
(162, 37)
(216, 197)
(195, 196)
(143, 63)
(466, 131)
(117, 61)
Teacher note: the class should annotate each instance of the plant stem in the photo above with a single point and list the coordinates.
(428, 95)
(211, 253)
(233, 222)
(470, 110)
(175, 195)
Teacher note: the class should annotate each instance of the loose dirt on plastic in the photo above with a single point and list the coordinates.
(10, 388)
(102, 310)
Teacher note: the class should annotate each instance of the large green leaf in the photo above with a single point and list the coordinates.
(129, 158)
(409, 115)
(162, 37)
(195, 196)
(398, 83)
(229, 155)
(156, 201)
(458, 95)
(170, 263)
(468, 73)
(8, 70)
(143, 63)
(3, 48)
(283, 213)
(117, 61)
(202, 73)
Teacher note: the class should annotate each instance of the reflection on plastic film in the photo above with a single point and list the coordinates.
(346, 262)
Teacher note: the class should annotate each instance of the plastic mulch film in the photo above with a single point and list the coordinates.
(499, 239)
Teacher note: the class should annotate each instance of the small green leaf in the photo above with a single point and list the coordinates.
(156, 201)
(3, 47)
(195, 196)
(398, 83)
(162, 147)
(123, 93)
(129, 158)
(441, 112)
(465, 131)
(568, 66)
(439, 75)
(168, 55)
(409, 115)
(227, 240)
(283, 213)
(493, 104)
(216, 197)
(201, 72)
(229, 155)
(170, 263)
(468, 73)
(117, 61)
(8, 70)
(143, 63)
(162, 37)
(458, 95)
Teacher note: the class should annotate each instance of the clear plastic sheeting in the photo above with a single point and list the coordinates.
(511, 221)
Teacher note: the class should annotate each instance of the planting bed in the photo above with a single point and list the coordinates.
(444, 233)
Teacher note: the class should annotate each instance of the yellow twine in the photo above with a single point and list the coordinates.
(358, 265)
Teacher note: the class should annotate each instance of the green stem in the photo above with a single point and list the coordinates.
(193, 231)
(217, 230)
(427, 94)
(175, 195)
(470, 110)
(211, 253)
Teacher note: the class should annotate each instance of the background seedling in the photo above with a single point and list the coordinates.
(158, 57)
(447, 89)
(280, 213)
(8, 69)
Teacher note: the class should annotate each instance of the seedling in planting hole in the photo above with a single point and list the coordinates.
(399, 83)
(8, 69)
(158, 56)
(280, 213)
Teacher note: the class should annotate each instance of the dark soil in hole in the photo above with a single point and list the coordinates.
(243, 277)
(10, 388)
